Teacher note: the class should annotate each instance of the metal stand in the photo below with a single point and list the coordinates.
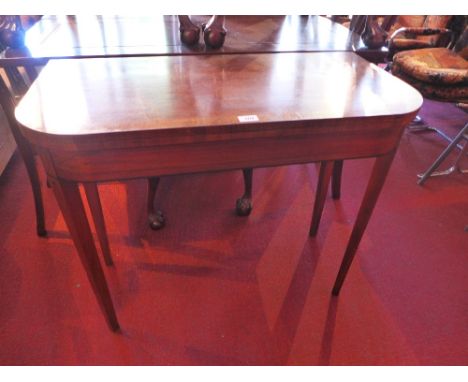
(463, 134)
(419, 125)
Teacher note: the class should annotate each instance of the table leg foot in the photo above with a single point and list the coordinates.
(189, 32)
(244, 203)
(156, 219)
(214, 32)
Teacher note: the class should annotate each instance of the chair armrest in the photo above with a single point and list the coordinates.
(421, 31)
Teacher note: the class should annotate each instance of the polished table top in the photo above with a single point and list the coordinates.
(104, 36)
(95, 102)
(174, 92)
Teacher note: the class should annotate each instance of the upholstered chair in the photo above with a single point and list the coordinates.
(416, 32)
(440, 74)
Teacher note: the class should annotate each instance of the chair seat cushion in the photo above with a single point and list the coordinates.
(438, 66)
(447, 93)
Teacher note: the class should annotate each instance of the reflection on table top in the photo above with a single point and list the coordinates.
(98, 36)
(118, 95)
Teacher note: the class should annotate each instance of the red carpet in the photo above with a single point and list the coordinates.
(216, 289)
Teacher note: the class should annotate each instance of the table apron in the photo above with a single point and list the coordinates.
(128, 163)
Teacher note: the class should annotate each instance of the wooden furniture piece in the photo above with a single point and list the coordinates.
(214, 32)
(72, 37)
(373, 30)
(7, 142)
(11, 88)
(109, 36)
(121, 119)
(11, 32)
(15, 78)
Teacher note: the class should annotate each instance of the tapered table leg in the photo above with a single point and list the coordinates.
(326, 168)
(95, 206)
(374, 187)
(71, 205)
(336, 179)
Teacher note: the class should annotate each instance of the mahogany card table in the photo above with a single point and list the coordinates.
(108, 119)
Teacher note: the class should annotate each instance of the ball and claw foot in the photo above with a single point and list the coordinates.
(156, 220)
(214, 32)
(243, 206)
(189, 32)
(190, 36)
(214, 38)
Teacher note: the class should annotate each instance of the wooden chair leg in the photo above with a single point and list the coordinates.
(156, 219)
(26, 151)
(95, 207)
(28, 157)
(336, 179)
(244, 203)
(326, 168)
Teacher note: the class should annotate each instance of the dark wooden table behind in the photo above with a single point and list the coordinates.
(105, 36)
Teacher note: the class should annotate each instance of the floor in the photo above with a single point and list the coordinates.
(212, 288)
